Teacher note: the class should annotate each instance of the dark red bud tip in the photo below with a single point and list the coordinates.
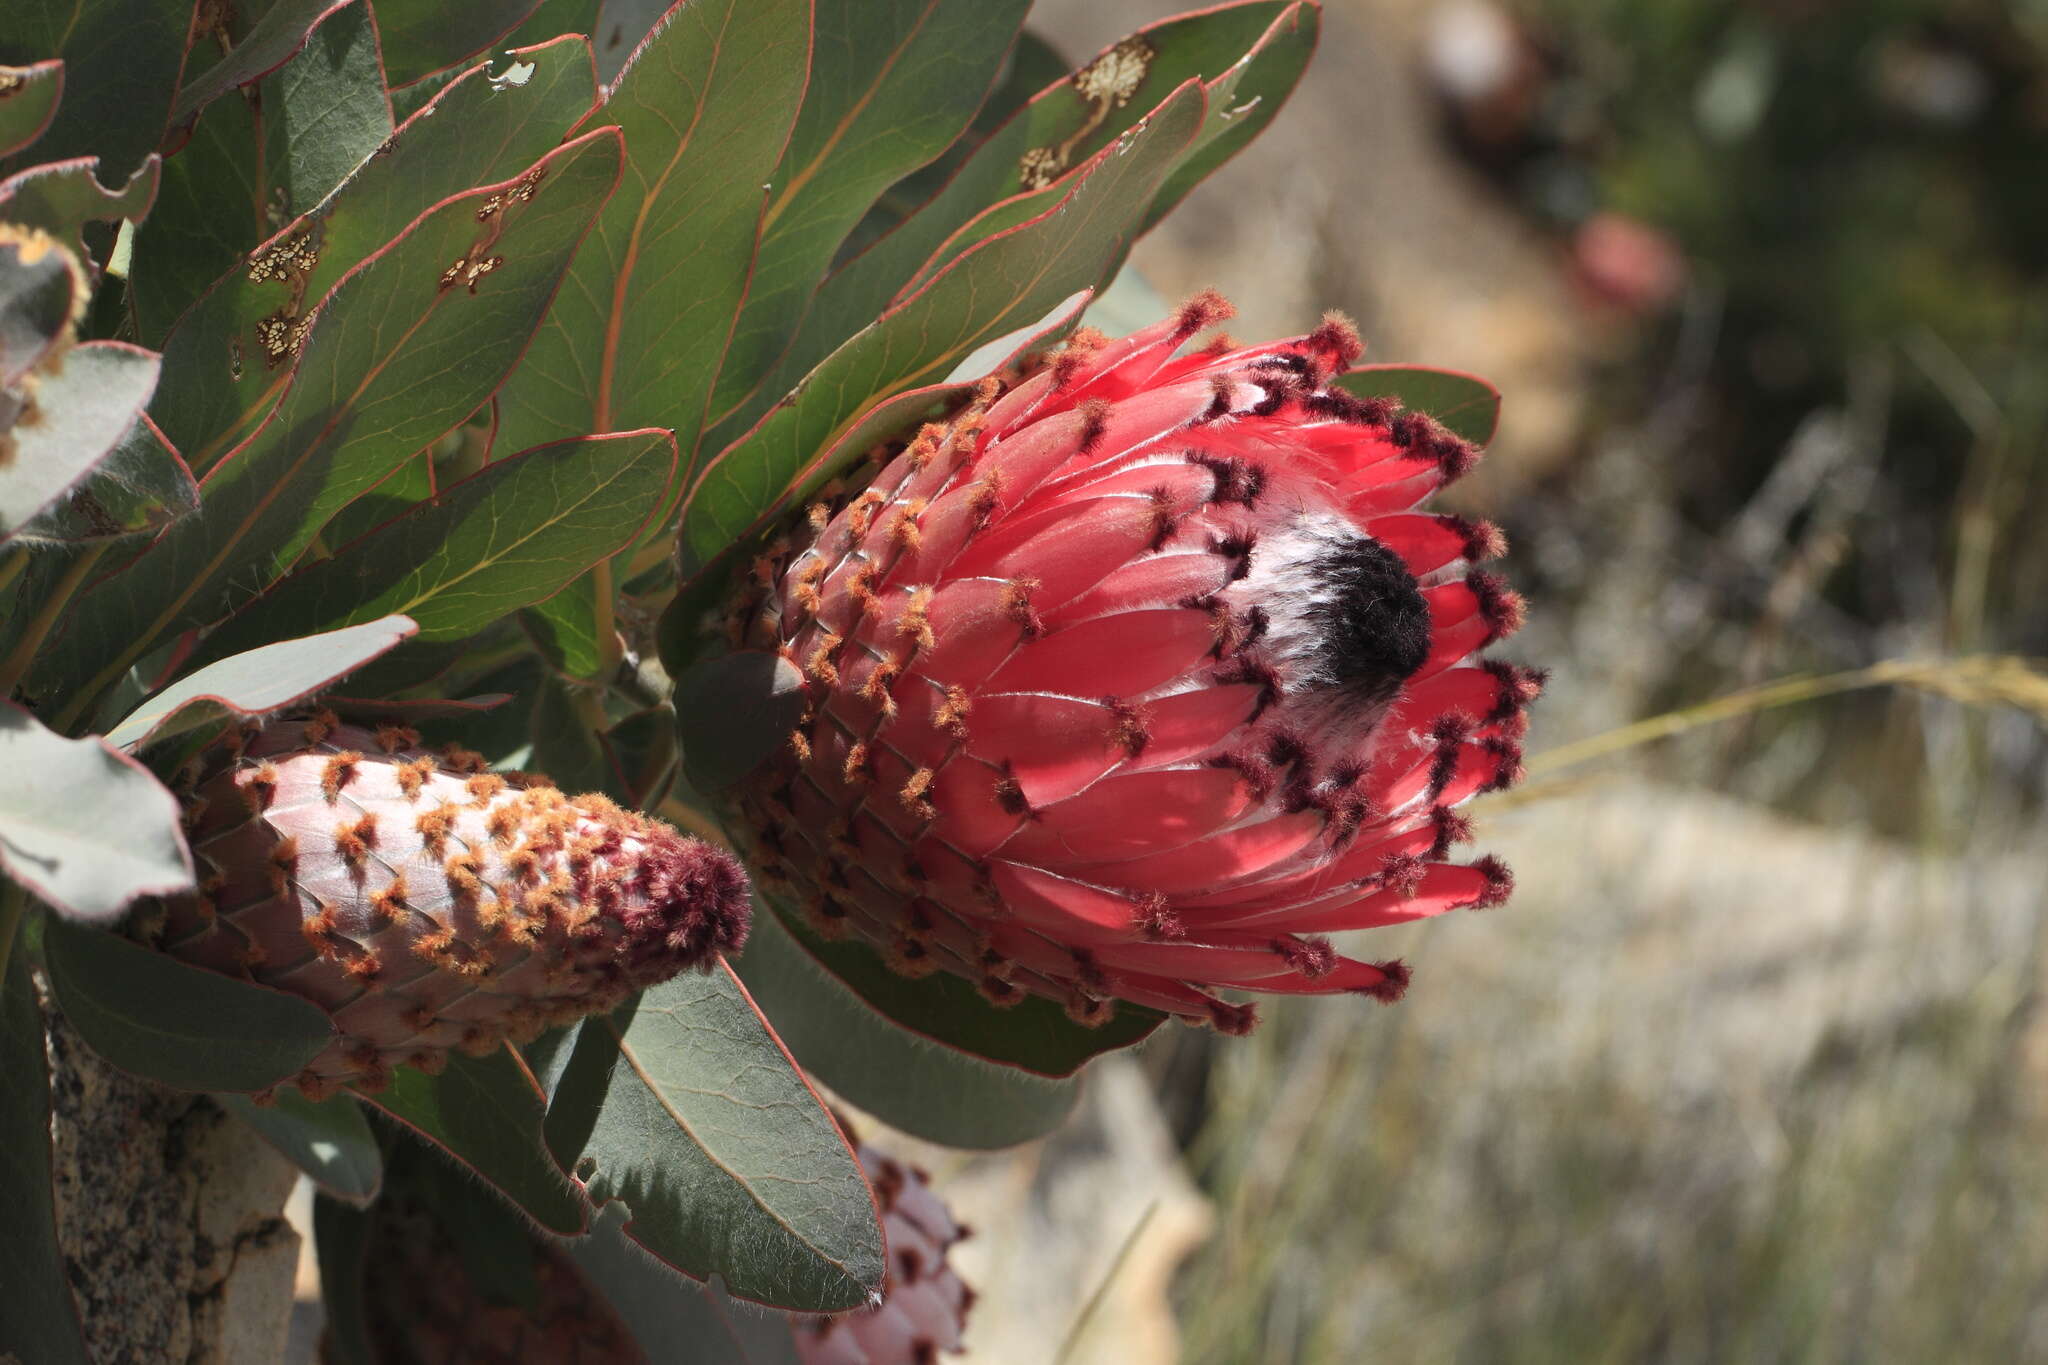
(1401, 873)
(1393, 983)
(1455, 457)
(1500, 882)
(1452, 827)
(1483, 540)
(1500, 606)
(1094, 422)
(1231, 1019)
(1507, 759)
(1312, 955)
(1335, 343)
(1204, 310)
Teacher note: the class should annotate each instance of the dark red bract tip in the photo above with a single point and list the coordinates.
(1393, 983)
(1205, 309)
(1232, 1019)
(1455, 456)
(1401, 873)
(1311, 955)
(1500, 882)
(1335, 343)
(1501, 606)
(1483, 540)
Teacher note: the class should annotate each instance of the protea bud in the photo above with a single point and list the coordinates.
(1138, 677)
(427, 903)
(924, 1303)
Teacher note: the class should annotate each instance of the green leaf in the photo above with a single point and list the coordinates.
(1032, 65)
(182, 1026)
(619, 29)
(743, 490)
(401, 352)
(515, 533)
(81, 414)
(38, 292)
(661, 1307)
(330, 1141)
(324, 111)
(425, 36)
(706, 108)
(38, 1319)
(1033, 1035)
(1059, 129)
(486, 1113)
(999, 286)
(260, 681)
(62, 198)
(893, 82)
(218, 379)
(84, 826)
(137, 489)
(271, 41)
(733, 711)
(134, 47)
(935, 1093)
(251, 164)
(725, 1157)
(28, 101)
(1466, 404)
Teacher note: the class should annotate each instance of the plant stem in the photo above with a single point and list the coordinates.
(11, 565)
(13, 901)
(17, 664)
(610, 649)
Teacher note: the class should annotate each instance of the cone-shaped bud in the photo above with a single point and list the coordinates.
(427, 903)
(924, 1303)
(1136, 678)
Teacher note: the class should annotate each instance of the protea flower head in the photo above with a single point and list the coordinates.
(924, 1303)
(427, 903)
(1140, 676)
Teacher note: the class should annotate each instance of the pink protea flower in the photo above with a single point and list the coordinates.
(924, 1303)
(1139, 677)
(427, 903)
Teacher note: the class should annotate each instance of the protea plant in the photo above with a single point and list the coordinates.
(1138, 677)
(434, 470)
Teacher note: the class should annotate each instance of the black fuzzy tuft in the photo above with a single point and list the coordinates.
(1372, 620)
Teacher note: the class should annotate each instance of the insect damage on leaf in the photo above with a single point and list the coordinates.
(1106, 83)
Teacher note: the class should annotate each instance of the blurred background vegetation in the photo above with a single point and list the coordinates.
(1753, 1066)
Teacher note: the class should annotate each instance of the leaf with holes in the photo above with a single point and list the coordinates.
(82, 825)
(253, 162)
(402, 351)
(706, 107)
(218, 382)
(711, 1138)
(425, 36)
(60, 198)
